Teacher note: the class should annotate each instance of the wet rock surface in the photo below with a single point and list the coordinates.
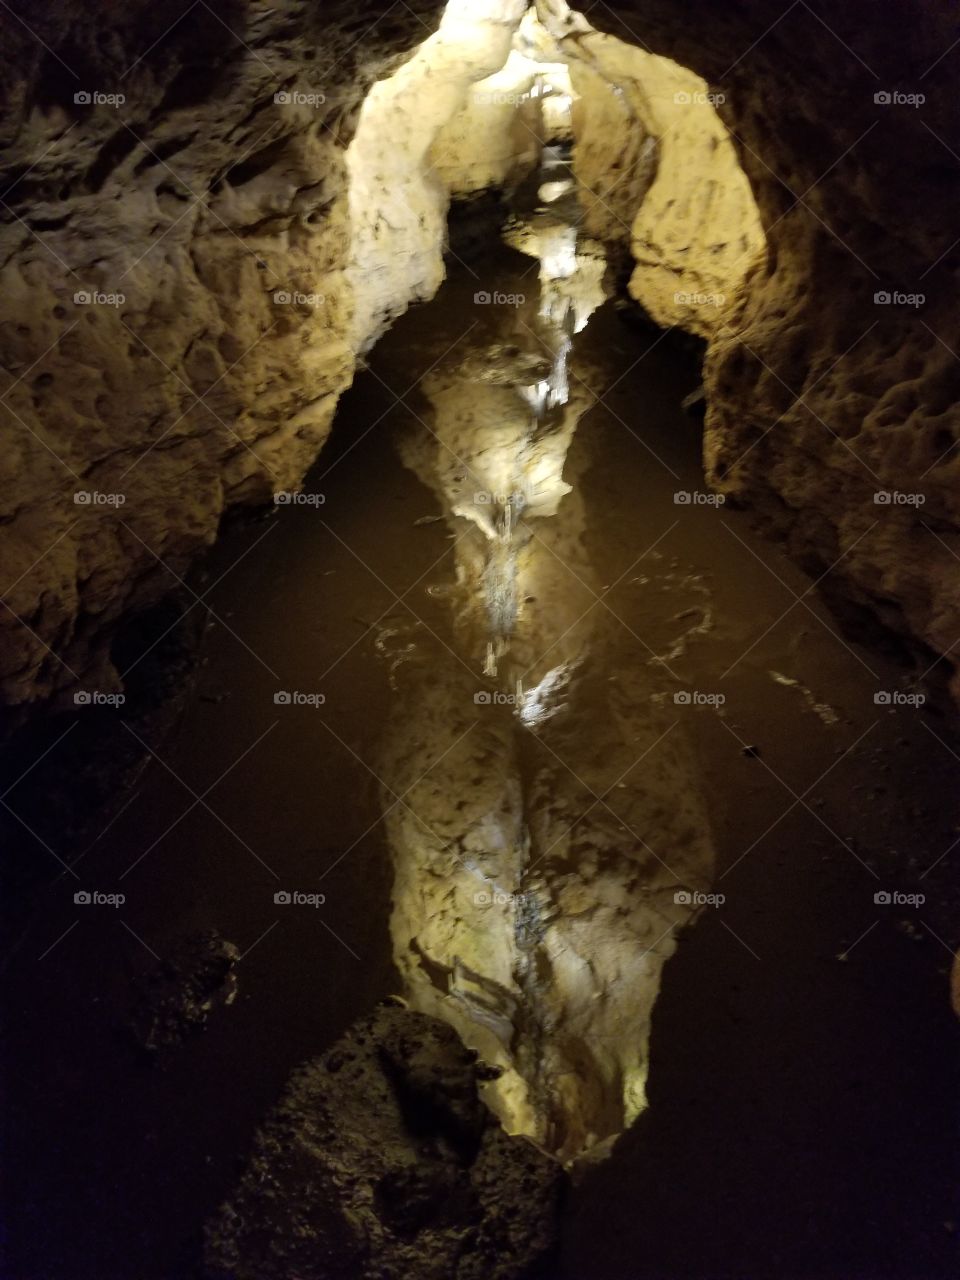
(382, 1161)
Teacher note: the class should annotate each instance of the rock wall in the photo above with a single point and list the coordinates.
(185, 279)
(382, 1160)
(833, 392)
(659, 175)
(215, 190)
(398, 202)
(174, 317)
(495, 140)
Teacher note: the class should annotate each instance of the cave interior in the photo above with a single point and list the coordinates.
(481, 526)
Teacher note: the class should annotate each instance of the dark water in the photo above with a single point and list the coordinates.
(803, 1058)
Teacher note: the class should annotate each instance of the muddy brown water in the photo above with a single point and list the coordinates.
(802, 1118)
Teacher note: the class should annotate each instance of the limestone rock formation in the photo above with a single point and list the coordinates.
(180, 302)
(495, 139)
(382, 1161)
(173, 242)
(832, 395)
(182, 299)
(398, 202)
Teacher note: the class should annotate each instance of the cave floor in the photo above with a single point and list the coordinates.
(803, 1057)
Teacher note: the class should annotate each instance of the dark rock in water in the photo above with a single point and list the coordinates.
(382, 1163)
(176, 998)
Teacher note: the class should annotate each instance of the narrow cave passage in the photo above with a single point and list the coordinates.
(505, 725)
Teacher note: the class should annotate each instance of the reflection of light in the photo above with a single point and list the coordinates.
(551, 191)
(547, 486)
(558, 253)
(542, 702)
(559, 384)
(536, 396)
(634, 1092)
(490, 660)
(554, 980)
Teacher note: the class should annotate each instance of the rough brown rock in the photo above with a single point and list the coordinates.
(819, 399)
(382, 1162)
(205, 203)
(200, 198)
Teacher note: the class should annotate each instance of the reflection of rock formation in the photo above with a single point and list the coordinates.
(503, 420)
(542, 824)
(496, 456)
(535, 879)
